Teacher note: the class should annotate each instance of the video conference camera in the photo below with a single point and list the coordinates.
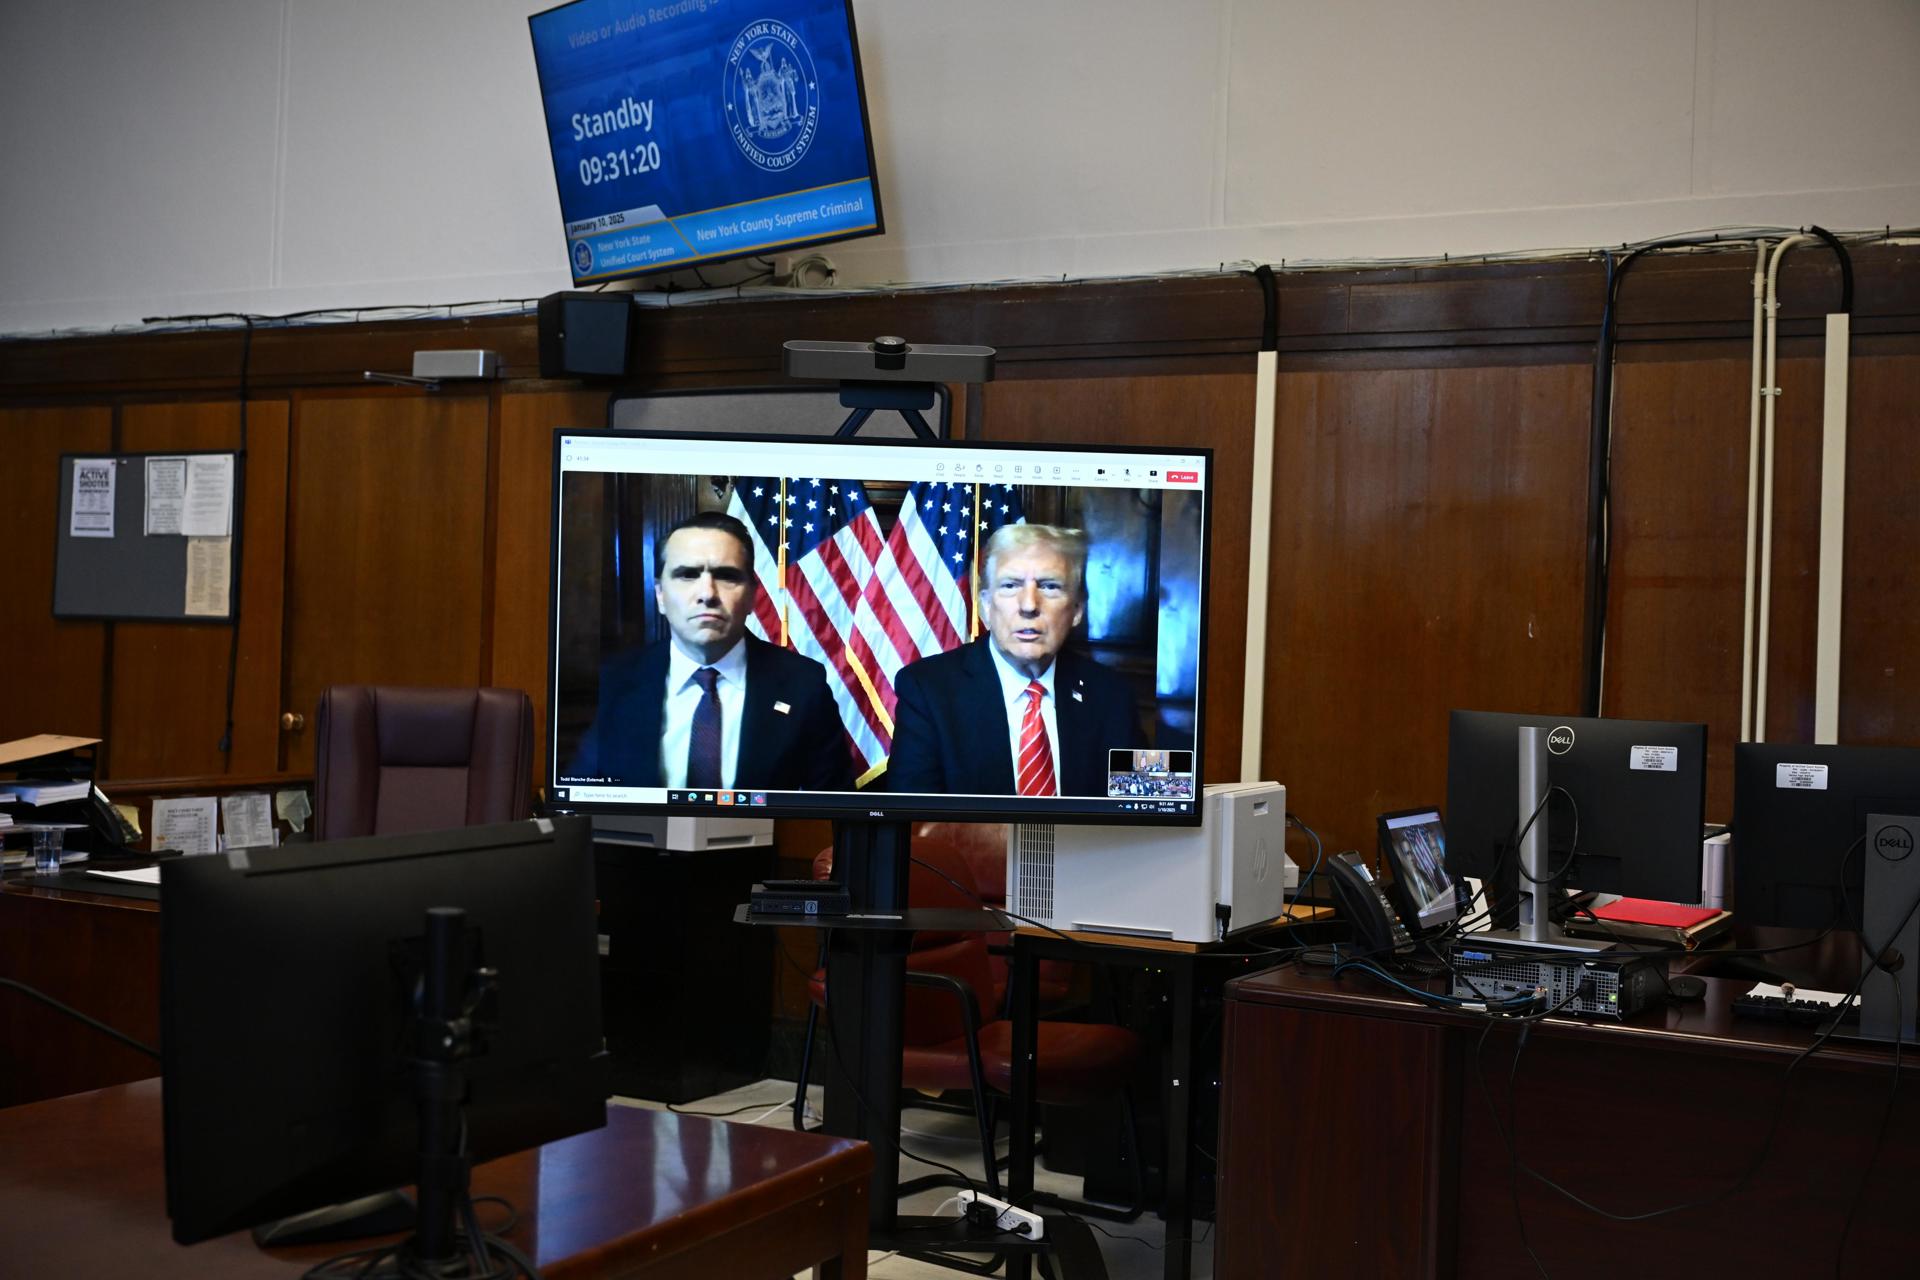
(887, 359)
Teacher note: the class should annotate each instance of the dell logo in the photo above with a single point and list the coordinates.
(1893, 843)
(875, 813)
(1560, 739)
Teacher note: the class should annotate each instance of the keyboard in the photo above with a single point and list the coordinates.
(1801, 1013)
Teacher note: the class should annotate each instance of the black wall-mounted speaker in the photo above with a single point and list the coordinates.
(585, 334)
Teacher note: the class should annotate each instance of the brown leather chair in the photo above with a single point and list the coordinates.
(393, 759)
(975, 854)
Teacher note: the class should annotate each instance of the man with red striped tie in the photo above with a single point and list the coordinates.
(1017, 712)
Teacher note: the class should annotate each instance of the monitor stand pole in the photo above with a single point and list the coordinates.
(449, 1006)
(442, 1039)
(1537, 926)
(866, 1003)
(864, 1012)
(1890, 921)
(867, 963)
(867, 967)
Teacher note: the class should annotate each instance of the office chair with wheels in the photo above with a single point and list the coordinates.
(393, 759)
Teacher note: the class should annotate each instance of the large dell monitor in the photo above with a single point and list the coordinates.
(686, 134)
(290, 983)
(1625, 817)
(1799, 819)
(896, 629)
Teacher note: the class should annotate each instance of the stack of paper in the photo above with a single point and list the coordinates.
(38, 793)
(139, 875)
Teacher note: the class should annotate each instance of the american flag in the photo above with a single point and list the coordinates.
(832, 588)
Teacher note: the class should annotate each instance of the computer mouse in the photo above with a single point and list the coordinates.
(1685, 988)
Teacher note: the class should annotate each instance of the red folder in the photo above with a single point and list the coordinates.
(1646, 911)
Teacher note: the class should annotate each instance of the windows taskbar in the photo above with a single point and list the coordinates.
(877, 807)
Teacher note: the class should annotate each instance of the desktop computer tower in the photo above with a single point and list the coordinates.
(1180, 883)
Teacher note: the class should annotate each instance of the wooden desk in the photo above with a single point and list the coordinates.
(653, 1194)
(1358, 1140)
(1182, 961)
(96, 952)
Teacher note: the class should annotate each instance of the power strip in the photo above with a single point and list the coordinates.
(1018, 1221)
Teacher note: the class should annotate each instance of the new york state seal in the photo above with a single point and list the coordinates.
(772, 95)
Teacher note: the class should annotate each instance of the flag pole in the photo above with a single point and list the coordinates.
(780, 561)
(973, 569)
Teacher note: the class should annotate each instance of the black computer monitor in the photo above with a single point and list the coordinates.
(287, 977)
(1799, 814)
(876, 609)
(1639, 788)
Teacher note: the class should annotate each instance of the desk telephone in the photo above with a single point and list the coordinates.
(1425, 897)
(1377, 928)
(115, 833)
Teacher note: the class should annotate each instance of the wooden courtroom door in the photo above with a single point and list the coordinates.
(386, 547)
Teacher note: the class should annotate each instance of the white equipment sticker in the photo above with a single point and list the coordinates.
(1800, 777)
(1654, 759)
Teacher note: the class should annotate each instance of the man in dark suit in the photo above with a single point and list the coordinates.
(711, 706)
(1016, 713)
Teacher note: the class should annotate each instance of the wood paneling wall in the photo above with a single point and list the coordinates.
(1680, 498)
(1880, 681)
(168, 684)
(386, 547)
(522, 539)
(1427, 545)
(1431, 440)
(52, 673)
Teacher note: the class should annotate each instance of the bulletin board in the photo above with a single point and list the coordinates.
(119, 555)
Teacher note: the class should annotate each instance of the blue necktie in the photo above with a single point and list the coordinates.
(703, 752)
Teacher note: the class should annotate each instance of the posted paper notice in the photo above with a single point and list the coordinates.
(185, 823)
(209, 577)
(166, 495)
(247, 820)
(209, 496)
(293, 807)
(93, 480)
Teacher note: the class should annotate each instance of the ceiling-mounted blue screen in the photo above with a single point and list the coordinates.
(691, 131)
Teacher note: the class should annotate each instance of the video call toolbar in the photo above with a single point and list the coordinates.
(967, 466)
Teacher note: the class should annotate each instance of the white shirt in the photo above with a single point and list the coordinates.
(1013, 688)
(683, 699)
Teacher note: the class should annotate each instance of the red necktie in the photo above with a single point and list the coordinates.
(1035, 771)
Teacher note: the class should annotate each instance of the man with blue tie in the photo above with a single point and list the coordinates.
(710, 706)
(1016, 713)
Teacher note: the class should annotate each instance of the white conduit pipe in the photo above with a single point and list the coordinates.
(1772, 395)
(1259, 542)
(1833, 530)
(1753, 494)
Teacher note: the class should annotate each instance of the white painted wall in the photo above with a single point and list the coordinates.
(209, 155)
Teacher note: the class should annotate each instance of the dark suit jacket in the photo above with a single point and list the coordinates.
(949, 739)
(803, 748)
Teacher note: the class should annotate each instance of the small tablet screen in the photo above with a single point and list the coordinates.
(1417, 844)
